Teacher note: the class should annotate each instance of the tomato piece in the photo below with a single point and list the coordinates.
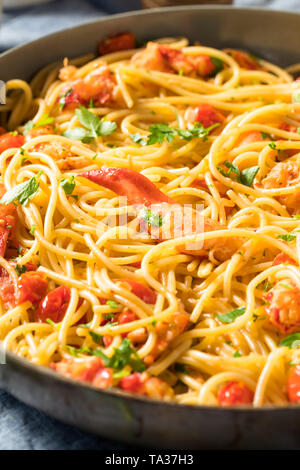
(2, 131)
(32, 287)
(244, 59)
(54, 305)
(204, 65)
(283, 306)
(7, 226)
(103, 378)
(10, 140)
(205, 114)
(282, 258)
(119, 42)
(133, 383)
(129, 183)
(235, 393)
(7, 290)
(293, 385)
(140, 290)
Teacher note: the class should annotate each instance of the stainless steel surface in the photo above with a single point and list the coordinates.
(273, 35)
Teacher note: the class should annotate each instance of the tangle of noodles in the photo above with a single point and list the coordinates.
(204, 316)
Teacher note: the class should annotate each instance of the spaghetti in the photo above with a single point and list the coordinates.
(149, 222)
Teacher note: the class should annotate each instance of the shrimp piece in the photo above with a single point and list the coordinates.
(167, 331)
(171, 219)
(163, 58)
(244, 59)
(99, 86)
(283, 306)
(282, 175)
(250, 138)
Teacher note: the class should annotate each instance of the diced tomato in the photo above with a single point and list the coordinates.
(235, 393)
(107, 340)
(7, 290)
(205, 114)
(103, 378)
(54, 305)
(126, 317)
(140, 290)
(32, 287)
(244, 59)
(293, 385)
(11, 140)
(7, 227)
(120, 42)
(282, 258)
(129, 183)
(204, 65)
(133, 383)
(283, 306)
(287, 127)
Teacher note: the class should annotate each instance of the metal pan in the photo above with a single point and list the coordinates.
(111, 413)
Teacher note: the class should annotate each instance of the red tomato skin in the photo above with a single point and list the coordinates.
(10, 140)
(32, 287)
(103, 378)
(282, 258)
(54, 305)
(140, 290)
(293, 385)
(235, 393)
(120, 42)
(133, 383)
(205, 114)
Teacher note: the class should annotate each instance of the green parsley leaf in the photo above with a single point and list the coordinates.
(43, 121)
(265, 135)
(292, 341)
(62, 100)
(112, 304)
(231, 167)
(138, 139)
(247, 175)
(161, 132)
(151, 218)
(93, 126)
(96, 337)
(272, 145)
(123, 356)
(32, 230)
(218, 63)
(21, 268)
(22, 192)
(180, 368)
(28, 127)
(237, 354)
(287, 237)
(51, 322)
(231, 316)
(68, 184)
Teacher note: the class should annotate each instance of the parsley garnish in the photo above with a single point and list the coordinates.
(265, 135)
(248, 174)
(151, 218)
(96, 337)
(123, 356)
(22, 192)
(21, 268)
(180, 368)
(45, 119)
(231, 316)
(272, 145)
(287, 237)
(112, 304)
(62, 100)
(162, 131)
(296, 98)
(32, 230)
(51, 322)
(237, 354)
(68, 184)
(93, 127)
(218, 63)
(292, 341)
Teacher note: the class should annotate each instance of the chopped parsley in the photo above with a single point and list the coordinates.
(292, 341)
(21, 269)
(45, 119)
(237, 354)
(93, 127)
(22, 192)
(151, 218)
(98, 339)
(245, 177)
(231, 316)
(287, 237)
(112, 304)
(68, 184)
(123, 356)
(32, 230)
(62, 100)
